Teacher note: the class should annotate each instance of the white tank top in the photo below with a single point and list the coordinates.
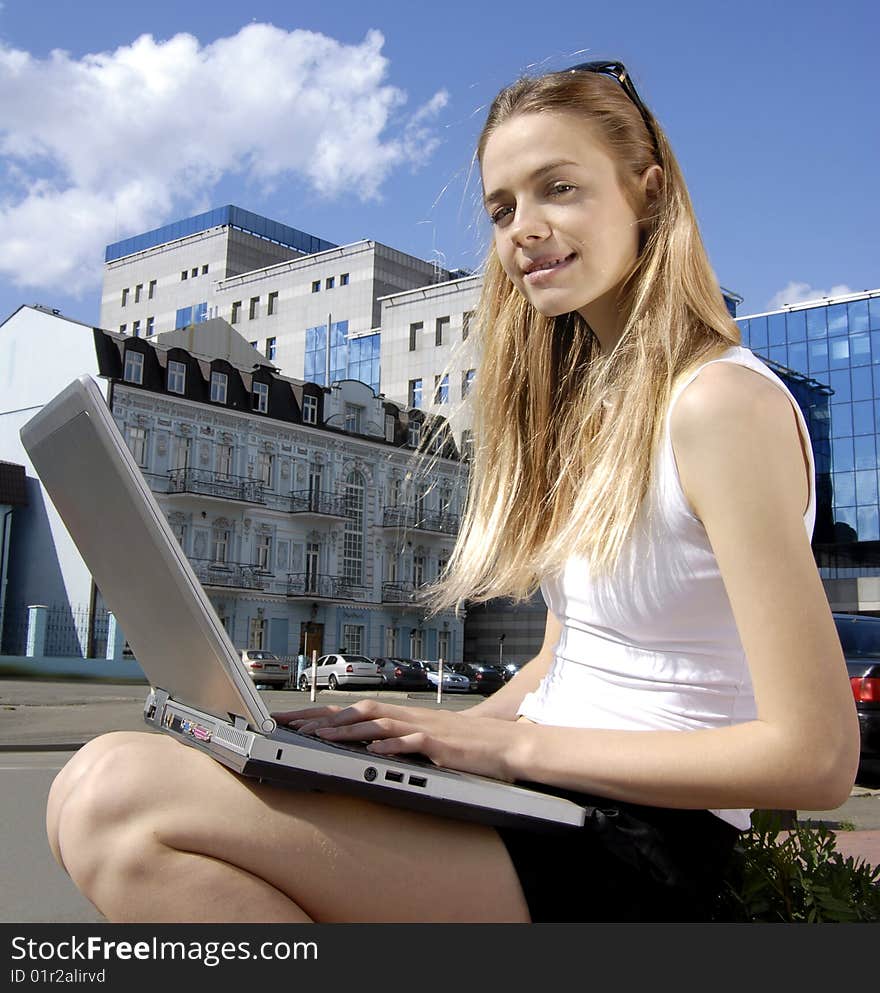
(653, 645)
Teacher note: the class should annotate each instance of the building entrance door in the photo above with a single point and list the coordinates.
(311, 639)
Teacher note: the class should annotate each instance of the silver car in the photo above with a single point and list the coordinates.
(266, 668)
(336, 670)
(453, 682)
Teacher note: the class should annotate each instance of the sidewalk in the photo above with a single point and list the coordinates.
(50, 715)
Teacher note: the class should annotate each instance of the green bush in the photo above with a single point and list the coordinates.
(797, 876)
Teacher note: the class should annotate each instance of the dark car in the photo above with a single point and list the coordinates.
(402, 674)
(860, 640)
(484, 679)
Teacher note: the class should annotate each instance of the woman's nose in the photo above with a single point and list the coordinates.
(529, 225)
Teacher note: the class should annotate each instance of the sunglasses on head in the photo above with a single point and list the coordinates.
(618, 71)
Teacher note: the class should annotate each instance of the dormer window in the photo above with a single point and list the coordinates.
(261, 398)
(176, 377)
(310, 409)
(134, 368)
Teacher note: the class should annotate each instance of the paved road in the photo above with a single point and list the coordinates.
(39, 718)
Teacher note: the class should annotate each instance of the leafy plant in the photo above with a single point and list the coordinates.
(797, 875)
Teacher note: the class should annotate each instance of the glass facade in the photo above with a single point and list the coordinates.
(837, 343)
(316, 353)
(363, 360)
(244, 220)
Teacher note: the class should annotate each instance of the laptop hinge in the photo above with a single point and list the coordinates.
(239, 722)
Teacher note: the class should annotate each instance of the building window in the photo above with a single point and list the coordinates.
(264, 552)
(353, 541)
(136, 328)
(270, 348)
(414, 433)
(236, 312)
(441, 325)
(467, 379)
(257, 636)
(343, 279)
(138, 290)
(272, 306)
(122, 328)
(313, 555)
(183, 318)
(254, 308)
(151, 326)
(467, 444)
(176, 377)
(441, 389)
(316, 286)
(195, 272)
(265, 462)
(184, 275)
(310, 409)
(152, 289)
(134, 367)
(224, 460)
(261, 398)
(204, 270)
(415, 393)
(389, 428)
(353, 415)
(466, 323)
(218, 387)
(391, 638)
(125, 296)
(414, 335)
(329, 283)
(416, 643)
(418, 570)
(137, 444)
(219, 546)
(443, 645)
(180, 457)
(353, 639)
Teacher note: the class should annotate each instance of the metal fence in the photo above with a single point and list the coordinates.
(71, 631)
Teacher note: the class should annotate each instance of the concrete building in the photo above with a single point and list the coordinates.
(41, 351)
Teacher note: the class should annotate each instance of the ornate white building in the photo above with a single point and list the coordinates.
(300, 507)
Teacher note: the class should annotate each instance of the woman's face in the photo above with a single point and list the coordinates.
(564, 231)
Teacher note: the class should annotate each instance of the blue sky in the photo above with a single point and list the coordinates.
(358, 119)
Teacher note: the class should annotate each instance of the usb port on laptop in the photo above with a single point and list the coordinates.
(395, 777)
(417, 781)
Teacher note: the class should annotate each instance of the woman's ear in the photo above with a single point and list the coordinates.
(652, 182)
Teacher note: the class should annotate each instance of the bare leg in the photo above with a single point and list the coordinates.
(151, 830)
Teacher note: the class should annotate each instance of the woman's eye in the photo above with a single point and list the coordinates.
(498, 215)
(559, 188)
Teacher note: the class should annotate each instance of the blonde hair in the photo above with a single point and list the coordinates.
(564, 434)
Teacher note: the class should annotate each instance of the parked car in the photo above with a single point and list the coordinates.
(453, 681)
(402, 674)
(483, 678)
(509, 670)
(860, 639)
(337, 670)
(266, 667)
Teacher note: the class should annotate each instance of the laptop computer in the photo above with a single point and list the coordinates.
(200, 693)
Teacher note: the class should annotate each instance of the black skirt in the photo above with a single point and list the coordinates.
(628, 863)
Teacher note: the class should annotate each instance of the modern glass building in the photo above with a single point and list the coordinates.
(836, 342)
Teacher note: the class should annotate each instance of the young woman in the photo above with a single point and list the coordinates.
(656, 480)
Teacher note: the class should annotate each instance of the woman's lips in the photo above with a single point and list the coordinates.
(538, 277)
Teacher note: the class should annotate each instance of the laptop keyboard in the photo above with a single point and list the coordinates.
(358, 747)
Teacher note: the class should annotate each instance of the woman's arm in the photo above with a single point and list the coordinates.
(504, 702)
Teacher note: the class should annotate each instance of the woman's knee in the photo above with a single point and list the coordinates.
(100, 791)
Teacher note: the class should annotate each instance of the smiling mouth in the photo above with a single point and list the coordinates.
(541, 270)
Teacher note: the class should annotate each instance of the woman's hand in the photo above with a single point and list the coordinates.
(480, 745)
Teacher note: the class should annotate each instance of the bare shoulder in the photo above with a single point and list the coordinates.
(726, 395)
(735, 436)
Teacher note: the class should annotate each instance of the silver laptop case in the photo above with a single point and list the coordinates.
(200, 692)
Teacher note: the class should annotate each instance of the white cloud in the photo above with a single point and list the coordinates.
(95, 149)
(796, 292)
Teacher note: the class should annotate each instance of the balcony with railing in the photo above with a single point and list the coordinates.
(318, 504)
(235, 575)
(412, 517)
(398, 592)
(314, 585)
(216, 484)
